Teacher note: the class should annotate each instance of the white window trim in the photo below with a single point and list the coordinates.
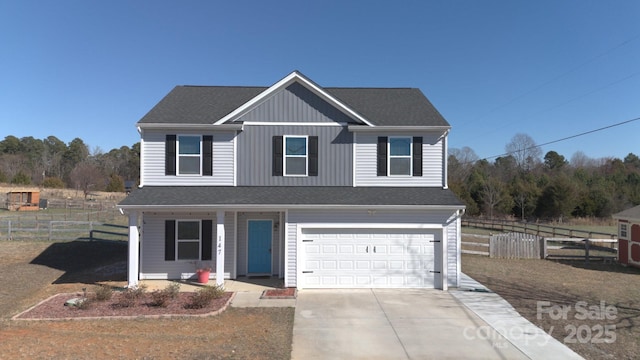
(624, 227)
(285, 156)
(410, 156)
(178, 155)
(189, 240)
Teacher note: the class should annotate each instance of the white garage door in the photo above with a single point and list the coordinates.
(361, 258)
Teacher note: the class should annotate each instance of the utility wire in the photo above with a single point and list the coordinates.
(556, 78)
(568, 137)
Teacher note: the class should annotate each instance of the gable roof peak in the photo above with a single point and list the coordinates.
(298, 77)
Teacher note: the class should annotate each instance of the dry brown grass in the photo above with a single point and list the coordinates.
(69, 194)
(33, 271)
(524, 283)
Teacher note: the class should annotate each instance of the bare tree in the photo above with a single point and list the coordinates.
(461, 163)
(524, 150)
(86, 177)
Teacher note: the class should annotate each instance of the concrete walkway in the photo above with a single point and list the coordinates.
(505, 321)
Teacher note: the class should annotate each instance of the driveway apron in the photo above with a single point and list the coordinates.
(392, 324)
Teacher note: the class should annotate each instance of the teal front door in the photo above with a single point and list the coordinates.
(260, 246)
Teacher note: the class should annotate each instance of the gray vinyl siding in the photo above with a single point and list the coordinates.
(153, 166)
(296, 104)
(444, 218)
(243, 218)
(432, 162)
(152, 262)
(335, 156)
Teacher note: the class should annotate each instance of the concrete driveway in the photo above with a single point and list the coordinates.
(414, 324)
(392, 324)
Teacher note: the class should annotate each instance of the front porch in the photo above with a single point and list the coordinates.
(233, 244)
(241, 284)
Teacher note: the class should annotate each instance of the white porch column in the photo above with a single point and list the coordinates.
(443, 271)
(220, 236)
(134, 250)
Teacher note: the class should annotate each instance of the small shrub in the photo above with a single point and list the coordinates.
(173, 289)
(130, 296)
(203, 297)
(104, 293)
(161, 298)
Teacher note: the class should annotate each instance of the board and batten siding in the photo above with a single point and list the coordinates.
(153, 266)
(153, 166)
(335, 157)
(295, 103)
(447, 219)
(432, 162)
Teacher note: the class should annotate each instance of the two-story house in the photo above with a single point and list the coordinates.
(323, 187)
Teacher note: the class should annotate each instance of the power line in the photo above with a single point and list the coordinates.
(558, 77)
(569, 137)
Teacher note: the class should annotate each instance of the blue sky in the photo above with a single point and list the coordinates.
(548, 69)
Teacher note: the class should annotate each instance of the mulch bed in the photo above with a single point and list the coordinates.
(54, 308)
(286, 293)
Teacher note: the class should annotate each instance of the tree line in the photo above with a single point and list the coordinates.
(522, 184)
(526, 185)
(51, 163)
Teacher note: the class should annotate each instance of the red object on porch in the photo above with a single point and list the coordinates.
(203, 276)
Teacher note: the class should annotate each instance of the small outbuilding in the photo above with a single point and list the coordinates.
(23, 200)
(629, 236)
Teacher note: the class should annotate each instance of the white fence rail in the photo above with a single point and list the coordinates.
(59, 230)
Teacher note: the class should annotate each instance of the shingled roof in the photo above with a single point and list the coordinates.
(288, 196)
(380, 106)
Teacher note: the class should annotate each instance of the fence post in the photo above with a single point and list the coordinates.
(50, 230)
(543, 248)
(9, 230)
(586, 251)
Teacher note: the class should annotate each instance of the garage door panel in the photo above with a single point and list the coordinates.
(368, 258)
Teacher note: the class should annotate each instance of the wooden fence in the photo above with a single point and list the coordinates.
(61, 230)
(516, 246)
(535, 229)
(527, 246)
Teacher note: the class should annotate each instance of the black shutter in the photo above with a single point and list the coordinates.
(169, 240)
(417, 156)
(170, 155)
(207, 239)
(313, 156)
(277, 156)
(207, 155)
(382, 155)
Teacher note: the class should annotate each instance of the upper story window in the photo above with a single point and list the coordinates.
(399, 156)
(189, 155)
(294, 155)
